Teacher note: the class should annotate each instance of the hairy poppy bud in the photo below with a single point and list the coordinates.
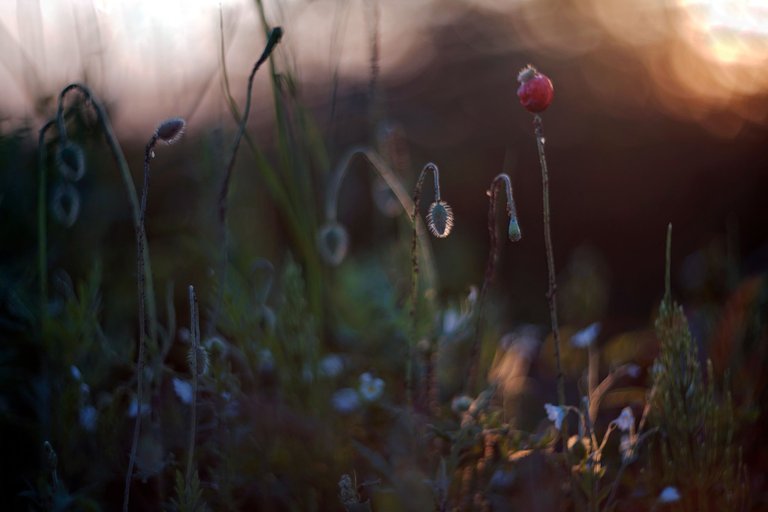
(171, 130)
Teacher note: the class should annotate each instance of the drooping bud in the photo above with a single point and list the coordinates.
(514, 230)
(333, 243)
(70, 161)
(440, 219)
(65, 204)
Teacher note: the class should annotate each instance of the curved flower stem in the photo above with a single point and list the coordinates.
(552, 291)
(393, 182)
(490, 266)
(42, 214)
(415, 271)
(274, 37)
(125, 172)
(141, 279)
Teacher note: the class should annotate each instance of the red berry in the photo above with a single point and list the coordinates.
(535, 91)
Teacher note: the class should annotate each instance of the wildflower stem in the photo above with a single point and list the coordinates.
(42, 214)
(274, 37)
(141, 277)
(552, 291)
(490, 267)
(415, 271)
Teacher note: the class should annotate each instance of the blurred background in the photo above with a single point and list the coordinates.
(660, 116)
(660, 112)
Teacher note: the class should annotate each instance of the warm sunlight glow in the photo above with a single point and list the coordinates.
(729, 31)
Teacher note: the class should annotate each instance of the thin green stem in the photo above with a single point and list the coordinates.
(42, 217)
(141, 278)
(125, 172)
(490, 266)
(552, 291)
(415, 271)
(274, 38)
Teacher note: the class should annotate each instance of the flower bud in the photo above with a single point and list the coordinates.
(70, 161)
(440, 219)
(535, 91)
(171, 130)
(333, 243)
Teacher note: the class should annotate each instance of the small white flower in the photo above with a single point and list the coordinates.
(626, 420)
(555, 414)
(88, 417)
(669, 495)
(586, 336)
(183, 390)
(331, 366)
(75, 371)
(371, 387)
(345, 400)
(451, 321)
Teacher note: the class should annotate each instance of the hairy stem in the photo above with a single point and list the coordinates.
(490, 268)
(552, 291)
(140, 237)
(274, 38)
(415, 271)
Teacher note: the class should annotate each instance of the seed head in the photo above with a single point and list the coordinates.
(535, 91)
(171, 130)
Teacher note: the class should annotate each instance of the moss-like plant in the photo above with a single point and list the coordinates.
(698, 455)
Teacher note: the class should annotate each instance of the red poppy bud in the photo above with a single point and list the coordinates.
(535, 91)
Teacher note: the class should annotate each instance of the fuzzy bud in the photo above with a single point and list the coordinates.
(171, 130)
(440, 219)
